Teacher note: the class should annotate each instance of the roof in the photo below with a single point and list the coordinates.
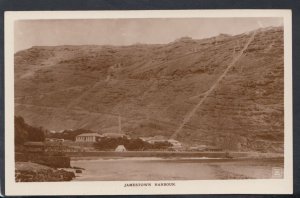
(89, 134)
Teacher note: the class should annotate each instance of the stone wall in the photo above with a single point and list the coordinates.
(48, 160)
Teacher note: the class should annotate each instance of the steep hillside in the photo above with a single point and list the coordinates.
(157, 88)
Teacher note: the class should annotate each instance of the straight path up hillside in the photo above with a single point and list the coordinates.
(206, 94)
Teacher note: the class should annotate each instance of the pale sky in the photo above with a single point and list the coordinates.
(30, 33)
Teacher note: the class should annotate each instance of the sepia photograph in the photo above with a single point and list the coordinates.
(149, 101)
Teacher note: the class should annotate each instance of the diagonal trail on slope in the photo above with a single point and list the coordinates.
(206, 94)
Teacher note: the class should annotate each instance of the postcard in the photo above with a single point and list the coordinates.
(148, 102)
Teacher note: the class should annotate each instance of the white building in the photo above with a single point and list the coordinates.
(175, 143)
(88, 137)
(155, 139)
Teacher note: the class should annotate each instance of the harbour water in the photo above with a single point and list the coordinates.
(154, 168)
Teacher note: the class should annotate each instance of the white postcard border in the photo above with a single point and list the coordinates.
(255, 186)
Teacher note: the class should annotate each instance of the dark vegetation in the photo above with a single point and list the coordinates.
(25, 132)
(137, 144)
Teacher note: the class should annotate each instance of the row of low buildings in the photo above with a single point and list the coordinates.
(86, 141)
(93, 137)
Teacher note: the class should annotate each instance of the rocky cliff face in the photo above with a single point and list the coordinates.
(156, 88)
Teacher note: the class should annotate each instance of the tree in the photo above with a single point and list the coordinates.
(25, 132)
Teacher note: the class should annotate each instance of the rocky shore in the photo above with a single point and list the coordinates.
(31, 172)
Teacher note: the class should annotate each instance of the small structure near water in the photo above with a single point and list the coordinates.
(120, 148)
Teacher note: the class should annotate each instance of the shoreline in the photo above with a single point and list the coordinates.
(170, 154)
(149, 168)
(106, 166)
(176, 169)
(34, 172)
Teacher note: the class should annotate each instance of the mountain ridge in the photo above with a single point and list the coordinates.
(153, 87)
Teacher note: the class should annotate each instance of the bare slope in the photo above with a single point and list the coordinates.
(155, 87)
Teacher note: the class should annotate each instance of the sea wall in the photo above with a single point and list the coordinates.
(52, 161)
(146, 154)
(164, 154)
(48, 160)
